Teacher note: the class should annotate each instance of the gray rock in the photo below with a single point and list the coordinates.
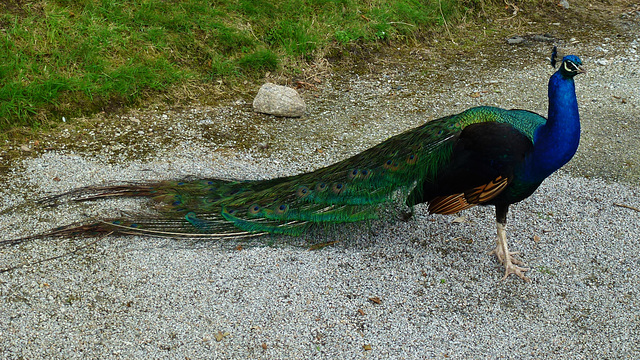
(515, 40)
(564, 4)
(279, 101)
(543, 38)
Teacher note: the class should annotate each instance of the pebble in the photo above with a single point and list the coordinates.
(543, 38)
(515, 40)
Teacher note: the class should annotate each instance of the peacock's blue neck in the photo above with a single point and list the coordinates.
(556, 141)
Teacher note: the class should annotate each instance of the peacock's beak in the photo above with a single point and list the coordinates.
(581, 70)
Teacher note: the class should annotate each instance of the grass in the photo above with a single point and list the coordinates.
(75, 57)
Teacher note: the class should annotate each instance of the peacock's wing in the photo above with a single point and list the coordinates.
(482, 163)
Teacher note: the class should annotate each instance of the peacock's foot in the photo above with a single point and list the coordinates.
(500, 254)
(509, 263)
(506, 257)
(514, 269)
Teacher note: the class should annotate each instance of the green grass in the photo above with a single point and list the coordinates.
(74, 57)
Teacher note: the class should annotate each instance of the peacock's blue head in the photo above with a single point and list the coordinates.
(570, 66)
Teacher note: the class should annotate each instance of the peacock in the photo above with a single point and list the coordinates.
(482, 156)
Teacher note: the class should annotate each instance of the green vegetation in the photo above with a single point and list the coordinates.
(546, 270)
(72, 57)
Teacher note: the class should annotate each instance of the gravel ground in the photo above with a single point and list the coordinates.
(425, 288)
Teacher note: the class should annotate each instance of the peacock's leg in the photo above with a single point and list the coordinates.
(502, 250)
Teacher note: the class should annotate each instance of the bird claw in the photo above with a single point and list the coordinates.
(500, 255)
(517, 270)
(510, 263)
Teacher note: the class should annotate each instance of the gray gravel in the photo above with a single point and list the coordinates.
(436, 292)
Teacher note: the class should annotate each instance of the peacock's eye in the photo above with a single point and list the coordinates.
(570, 66)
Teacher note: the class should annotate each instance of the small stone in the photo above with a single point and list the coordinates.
(279, 101)
(564, 4)
(515, 40)
(221, 335)
(542, 38)
(603, 62)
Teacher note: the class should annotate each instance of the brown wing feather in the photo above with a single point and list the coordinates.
(450, 204)
(454, 203)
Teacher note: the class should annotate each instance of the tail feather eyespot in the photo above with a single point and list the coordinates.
(254, 209)
(302, 191)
